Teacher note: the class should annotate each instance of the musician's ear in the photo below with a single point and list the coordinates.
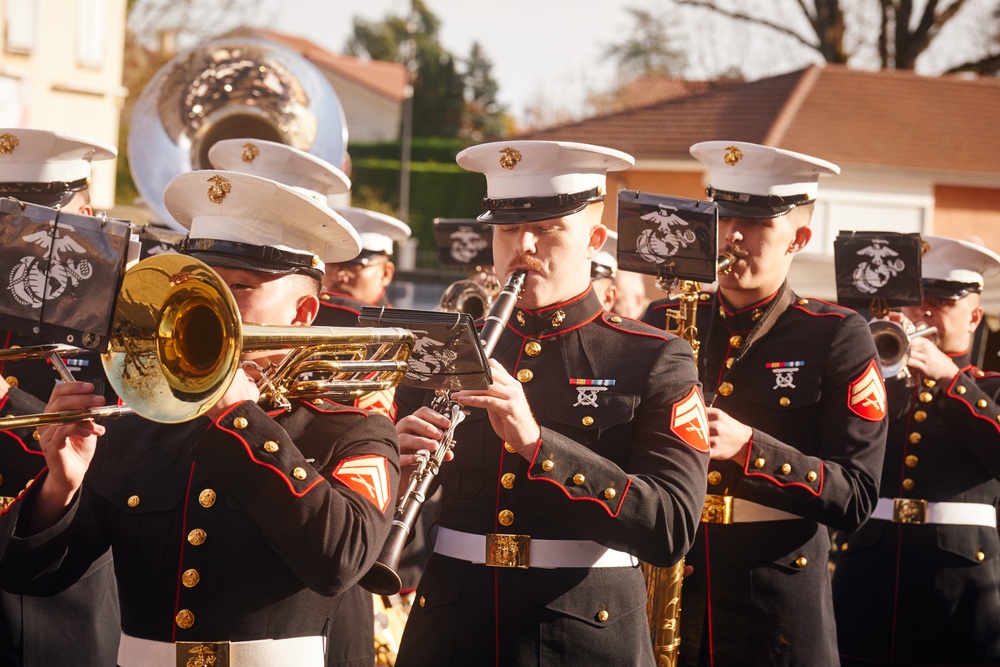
(802, 236)
(598, 235)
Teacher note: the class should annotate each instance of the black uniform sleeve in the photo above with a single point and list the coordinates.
(971, 408)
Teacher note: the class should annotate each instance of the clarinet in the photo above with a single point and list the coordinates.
(382, 578)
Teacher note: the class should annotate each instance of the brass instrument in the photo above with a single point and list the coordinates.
(892, 342)
(471, 295)
(230, 88)
(663, 584)
(382, 578)
(177, 340)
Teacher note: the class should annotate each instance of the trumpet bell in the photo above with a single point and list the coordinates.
(892, 343)
(229, 89)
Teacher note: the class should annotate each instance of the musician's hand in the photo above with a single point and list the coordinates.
(926, 359)
(241, 389)
(508, 408)
(4, 387)
(421, 430)
(728, 438)
(68, 448)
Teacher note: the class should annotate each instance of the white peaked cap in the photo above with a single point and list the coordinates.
(234, 207)
(279, 162)
(41, 156)
(524, 178)
(377, 230)
(957, 261)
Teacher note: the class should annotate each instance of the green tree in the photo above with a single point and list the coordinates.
(484, 117)
(647, 50)
(438, 101)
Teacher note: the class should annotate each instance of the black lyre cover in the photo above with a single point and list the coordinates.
(463, 242)
(668, 237)
(877, 266)
(159, 240)
(446, 354)
(60, 273)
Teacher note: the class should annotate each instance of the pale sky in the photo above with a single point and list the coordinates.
(552, 49)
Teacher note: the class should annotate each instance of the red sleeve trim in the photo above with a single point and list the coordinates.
(282, 475)
(750, 473)
(967, 404)
(601, 503)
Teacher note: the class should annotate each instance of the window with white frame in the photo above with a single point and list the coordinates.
(91, 32)
(21, 18)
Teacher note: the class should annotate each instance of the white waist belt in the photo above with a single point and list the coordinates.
(291, 652)
(549, 554)
(911, 510)
(727, 509)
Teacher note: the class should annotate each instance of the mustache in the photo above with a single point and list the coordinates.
(737, 250)
(522, 260)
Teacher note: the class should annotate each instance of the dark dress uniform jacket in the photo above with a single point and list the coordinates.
(638, 488)
(248, 528)
(79, 626)
(811, 391)
(929, 594)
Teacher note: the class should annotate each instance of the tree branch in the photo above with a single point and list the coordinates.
(740, 16)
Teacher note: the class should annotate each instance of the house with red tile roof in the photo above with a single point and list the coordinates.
(917, 154)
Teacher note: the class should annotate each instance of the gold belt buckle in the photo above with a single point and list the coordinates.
(717, 509)
(202, 654)
(503, 550)
(909, 510)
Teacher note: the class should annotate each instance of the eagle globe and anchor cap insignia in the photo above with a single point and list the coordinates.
(866, 395)
(219, 189)
(250, 152)
(8, 142)
(732, 156)
(689, 421)
(509, 157)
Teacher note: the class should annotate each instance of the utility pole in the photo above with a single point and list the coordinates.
(410, 54)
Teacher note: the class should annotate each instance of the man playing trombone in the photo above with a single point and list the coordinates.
(919, 584)
(587, 453)
(234, 534)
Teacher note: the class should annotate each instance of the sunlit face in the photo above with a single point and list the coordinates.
(265, 298)
(764, 249)
(365, 282)
(956, 320)
(556, 253)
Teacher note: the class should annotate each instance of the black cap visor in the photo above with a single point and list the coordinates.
(248, 257)
(761, 207)
(534, 209)
(53, 195)
(950, 290)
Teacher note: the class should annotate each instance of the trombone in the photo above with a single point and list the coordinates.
(177, 340)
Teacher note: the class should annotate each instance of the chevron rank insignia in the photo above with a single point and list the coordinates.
(369, 476)
(689, 421)
(866, 396)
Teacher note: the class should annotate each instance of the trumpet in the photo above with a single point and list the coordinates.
(177, 340)
(892, 342)
(382, 578)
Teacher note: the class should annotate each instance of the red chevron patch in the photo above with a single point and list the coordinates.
(689, 421)
(369, 476)
(866, 396)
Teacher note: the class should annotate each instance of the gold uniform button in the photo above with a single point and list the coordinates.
(548, 465)
(184, 619)
(981, 403)
(801, 561)
(317, 401)
(507, 481)
(784, 401)
(11, 380)
(722, 312)
(524, 375)
(714, 477)
(206, 498)
(510, 448)
(725, 388)
(756, 314)
(506, 517)
(811, 476)
(533, 348)
(909, 484)
(587, 421)
(271, 447)
(980, 556)
(133, 501)
(929, 382)
(960, 389)
(603, 616)
(980, 374)
(616, 319)
(190, 578)
(803, 302)
(240, 422)
(299, 474)
(324, 297)
(786, 468)
(422, 601)
(926, 397)
(914, 438)
(730, 361)
(579, 479)
(911, 461)
(197, 537)
(36, 436)
(919, 416)
(610, 493)
(843, 547)
(759, 463)
(736, 341)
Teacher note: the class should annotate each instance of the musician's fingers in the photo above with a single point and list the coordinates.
(432, 417)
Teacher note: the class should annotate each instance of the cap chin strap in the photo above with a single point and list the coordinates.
(787, 202)
(555, 202)
(251, 253)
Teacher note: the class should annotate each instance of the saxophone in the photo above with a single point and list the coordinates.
(663, 584)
